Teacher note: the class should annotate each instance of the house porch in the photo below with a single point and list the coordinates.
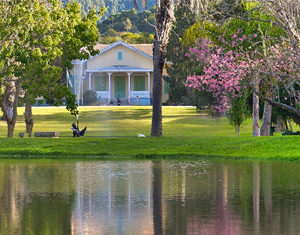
(131, 83)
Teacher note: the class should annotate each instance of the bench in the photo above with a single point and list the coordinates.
(52, 134)
(21, 134)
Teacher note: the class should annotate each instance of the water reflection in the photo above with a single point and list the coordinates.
(113, 198)
(149, 197)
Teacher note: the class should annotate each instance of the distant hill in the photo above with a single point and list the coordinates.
(131, 26)
(129, 21)
(112, 6)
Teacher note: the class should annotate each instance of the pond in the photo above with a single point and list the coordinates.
(149, 197)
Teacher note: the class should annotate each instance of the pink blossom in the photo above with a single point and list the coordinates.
(225, 72)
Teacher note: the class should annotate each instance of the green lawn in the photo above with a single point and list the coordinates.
(127, 121)
(112, 132)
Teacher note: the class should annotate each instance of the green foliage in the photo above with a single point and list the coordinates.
(41, 70)
(134, 38)
(238, 112)
(202, 29)
(37, 43)
(79, 32)
(180, 68)
(89, 96)
(71, 104)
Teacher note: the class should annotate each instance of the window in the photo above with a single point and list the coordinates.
(100, 83)
(139, 83)
(120, 54)
(166, 88)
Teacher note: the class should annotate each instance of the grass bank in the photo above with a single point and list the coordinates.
(112, 132)
(281, 148)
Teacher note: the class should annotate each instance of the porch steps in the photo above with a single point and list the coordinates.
(124, 101)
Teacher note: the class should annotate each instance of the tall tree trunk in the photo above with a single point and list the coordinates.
(156, 129)
(256, 131)
(266, 122)
(164, 17)
(28, 118)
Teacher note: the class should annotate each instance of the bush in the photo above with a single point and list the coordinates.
(89, 97)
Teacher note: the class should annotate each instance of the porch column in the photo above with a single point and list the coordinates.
(129, 74)
(90, 81)
(149, 82)
(109, 86)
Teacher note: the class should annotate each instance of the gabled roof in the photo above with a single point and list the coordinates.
(120, 42)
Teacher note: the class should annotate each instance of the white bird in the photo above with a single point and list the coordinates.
(141, 135)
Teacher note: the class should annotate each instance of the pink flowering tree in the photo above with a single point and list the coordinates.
(223, 73)
(270, 69)
(267, 61)
(227, 71)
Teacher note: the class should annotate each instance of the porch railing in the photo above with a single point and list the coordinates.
(103, 94)
(140, 94)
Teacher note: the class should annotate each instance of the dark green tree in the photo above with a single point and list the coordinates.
(180, 69)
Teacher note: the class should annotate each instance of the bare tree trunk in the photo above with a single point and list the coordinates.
(266, 122)
(9, 101)
(164, 17)
(256, 131)
(237, 129)
(28, 118)
(290, 124)
(11, 121)
(10, 129)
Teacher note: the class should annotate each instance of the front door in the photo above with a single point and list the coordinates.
(120, 86)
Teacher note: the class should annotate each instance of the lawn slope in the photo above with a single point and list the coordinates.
(112, 132)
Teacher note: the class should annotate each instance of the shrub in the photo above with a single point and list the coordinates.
(89, 97)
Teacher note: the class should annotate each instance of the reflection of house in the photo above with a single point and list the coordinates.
(120, 69)
(113, 198)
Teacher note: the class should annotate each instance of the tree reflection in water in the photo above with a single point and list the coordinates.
(149, 197)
